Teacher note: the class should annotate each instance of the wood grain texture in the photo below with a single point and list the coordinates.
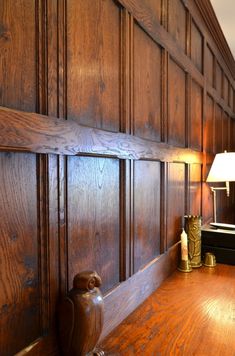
(176, 105)
(17, 41)
(93, 218)
(147, 86)
(93, 62)
(175, 201)
(196, 117)
(20, 131)
(218, 129)
(124, 299)
(196, 46)
(195, 198)
(208, 126)
(209, 70)
(19, 278)
(190, 314)
(177, 22)
(219, 79)
(147, 183)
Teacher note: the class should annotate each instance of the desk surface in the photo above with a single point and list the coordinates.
(190, 314)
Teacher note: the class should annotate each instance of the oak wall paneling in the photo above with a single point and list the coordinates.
(119, 107)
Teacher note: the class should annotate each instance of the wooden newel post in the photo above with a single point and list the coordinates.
(81, 316)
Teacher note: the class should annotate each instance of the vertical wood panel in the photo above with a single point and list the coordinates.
(195, 176)
(196, 117)
(175, 201)
(218, 129)
(209, 70)
(93, 218)
(155, 7)
(147, 86)
(19, 277)
(226, 135)
(208, 128)
(17, 55)
(93, 53)
(146, 212)
(177, 22)
(176, 105)
(196, 47)
(219, 79)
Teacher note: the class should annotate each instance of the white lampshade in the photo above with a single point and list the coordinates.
(223, 168)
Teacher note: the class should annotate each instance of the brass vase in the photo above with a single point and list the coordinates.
(193, 229)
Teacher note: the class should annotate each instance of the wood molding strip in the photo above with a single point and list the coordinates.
(30, 132)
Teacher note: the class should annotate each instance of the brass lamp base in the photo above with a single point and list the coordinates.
(185, 266)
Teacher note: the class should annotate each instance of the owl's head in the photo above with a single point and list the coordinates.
(86, 280)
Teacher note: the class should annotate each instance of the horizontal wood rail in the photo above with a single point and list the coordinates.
(30, 132)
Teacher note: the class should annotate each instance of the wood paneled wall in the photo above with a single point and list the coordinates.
(157, 71)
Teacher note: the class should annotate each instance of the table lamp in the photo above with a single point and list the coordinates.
(222, 170)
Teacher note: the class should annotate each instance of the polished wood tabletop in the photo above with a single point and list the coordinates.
(190, 314)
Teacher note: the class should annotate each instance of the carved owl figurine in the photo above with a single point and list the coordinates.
(81, 315)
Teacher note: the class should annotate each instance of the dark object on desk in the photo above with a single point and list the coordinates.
(220, 242)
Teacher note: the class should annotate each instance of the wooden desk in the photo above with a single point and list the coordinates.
(220, 242)
(190, 314)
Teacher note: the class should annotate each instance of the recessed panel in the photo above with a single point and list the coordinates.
(93, 218)
(196, 47)
(18, 55)
(155, 7)
(93, 63)
(19, 251)
(195, 176)
(175, 202)
(177, 22)
(225, 132)
(226, 90)
(219, 78)
(231, 97)
(208, 129)
(209, 70)
(147, 86)
(146, 212)
(176, 105)
(218, 129)
(196, 117)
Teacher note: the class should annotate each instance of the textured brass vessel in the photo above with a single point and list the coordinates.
(209, 260)
(193, 228)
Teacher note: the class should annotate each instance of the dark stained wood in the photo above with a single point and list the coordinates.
(81, 315)
(195, 198)
(219, 79)
(146, 221)
(147, 86)
(218, 129)
(175, 202)
(93, 218)
(197, 46)
(20, 284)
(93, 62)
(196, 117)
(176, 105)
(209, 70)
(190, 314)
(37, 133)
(226, 122)
(208, 127)
(134, 73)
(17, 40)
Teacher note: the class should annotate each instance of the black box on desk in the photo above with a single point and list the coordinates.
(220, 242)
